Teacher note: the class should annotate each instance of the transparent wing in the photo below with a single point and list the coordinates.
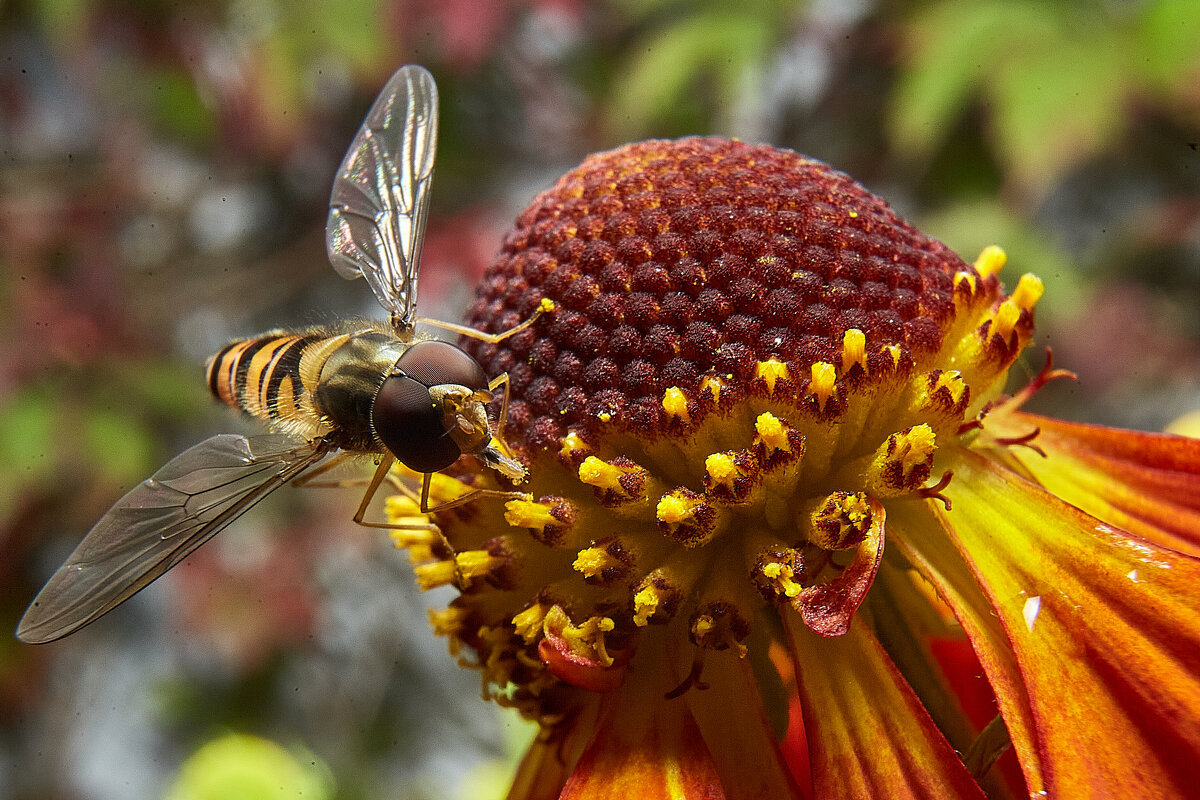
(159, 522)
(380, 196)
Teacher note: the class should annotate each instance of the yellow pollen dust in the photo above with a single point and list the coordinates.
(894, 351)
(823, 382)
(854, 349)
(645, 603)
(674, 402)
(571, 443)
(772, 433)
(772, 370)
(594, 560)
(990, 260)
(781, 577)
(714, 385)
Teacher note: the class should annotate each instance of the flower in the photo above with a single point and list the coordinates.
(780, 514)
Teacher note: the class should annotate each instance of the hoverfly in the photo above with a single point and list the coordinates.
(375, 390)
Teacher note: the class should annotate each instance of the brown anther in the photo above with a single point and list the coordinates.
(935, 492)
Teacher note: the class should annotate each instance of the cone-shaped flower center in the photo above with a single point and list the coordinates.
(749, 354)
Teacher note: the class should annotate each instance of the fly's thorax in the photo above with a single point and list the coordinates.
(349, 373)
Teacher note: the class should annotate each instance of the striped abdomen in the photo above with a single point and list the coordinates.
(312, 383)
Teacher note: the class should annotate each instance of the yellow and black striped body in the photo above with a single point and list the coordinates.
(315, 383)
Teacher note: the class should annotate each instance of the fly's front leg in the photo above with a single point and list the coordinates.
(491, 338)
(382, 473)
(474, 494)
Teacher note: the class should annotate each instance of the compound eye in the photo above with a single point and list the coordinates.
(408, 423)
(435, 363)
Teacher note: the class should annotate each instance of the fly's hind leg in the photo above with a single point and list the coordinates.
(490, 338)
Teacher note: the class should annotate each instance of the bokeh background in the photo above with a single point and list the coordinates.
(164, 170)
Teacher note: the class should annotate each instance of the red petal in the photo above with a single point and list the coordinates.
(869, 736)
(1103, 626)
(827, 608)
(1145, 483)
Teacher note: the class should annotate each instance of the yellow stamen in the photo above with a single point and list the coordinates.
(594, 560)
(714, 385)
(722, 470)
(686, 517)
(781, 577)
(1006, 319)
(854, 349)
(571, 444)
(476, 563)
(772, 370)
(677, 507)
(586, 639)
(1029, 290)
(990, 261)
(772, 433)
(435, 574)
(822, 387)
(903, 463)
(447, 621)
(528, 514)
(645, 602)
(675, 404)
(840, 521)
(410, 538)
(607, 476)
(943, 390)
(961, 277)
(443, 488)
(528, 623)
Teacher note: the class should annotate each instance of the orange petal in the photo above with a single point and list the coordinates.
(868, 735)
(736, 726)
(647, 747)
(1145, 483)
(922, 538)
(1104, 628)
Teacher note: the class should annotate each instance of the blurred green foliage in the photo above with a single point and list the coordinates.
(1056, 81)
(240, 766)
